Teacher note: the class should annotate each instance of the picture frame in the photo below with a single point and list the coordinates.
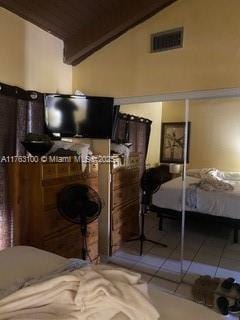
(172, 142)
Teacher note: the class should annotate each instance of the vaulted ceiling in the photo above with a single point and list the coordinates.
(85, 25)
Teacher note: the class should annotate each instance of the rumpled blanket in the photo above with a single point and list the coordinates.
(66, 267)
(211, 179)
(89, 293)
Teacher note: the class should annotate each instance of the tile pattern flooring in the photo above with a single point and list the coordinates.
(208, 250)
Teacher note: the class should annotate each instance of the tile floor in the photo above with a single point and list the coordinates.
(208, 250)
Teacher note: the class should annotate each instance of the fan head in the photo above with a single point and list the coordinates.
(153, 178)
(79, 203)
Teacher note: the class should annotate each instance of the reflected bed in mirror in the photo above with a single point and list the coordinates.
(212, 189)
(212, 221)
(206, 195)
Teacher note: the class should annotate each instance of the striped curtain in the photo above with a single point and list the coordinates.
(137, 131)
(17, 117)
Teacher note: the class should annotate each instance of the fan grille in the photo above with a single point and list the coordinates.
(79, 203)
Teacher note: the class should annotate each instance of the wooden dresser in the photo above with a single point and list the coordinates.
(37, 222)
(124, 205)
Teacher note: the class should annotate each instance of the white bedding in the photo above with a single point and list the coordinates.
(218, 203)
(26, 261)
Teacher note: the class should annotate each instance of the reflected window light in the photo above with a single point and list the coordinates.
(54, 117)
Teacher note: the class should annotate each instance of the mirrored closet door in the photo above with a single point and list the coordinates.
(212, 190)
(161, 256)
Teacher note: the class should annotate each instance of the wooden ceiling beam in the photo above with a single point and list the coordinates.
(85, 25)
(86, 42)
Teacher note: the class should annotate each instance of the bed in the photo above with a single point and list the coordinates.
(218, 206)
(22, 261)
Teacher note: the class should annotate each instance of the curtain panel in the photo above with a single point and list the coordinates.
(20, 112)
(136, 131)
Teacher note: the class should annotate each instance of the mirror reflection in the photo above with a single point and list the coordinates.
(212, 194)
(154, 247)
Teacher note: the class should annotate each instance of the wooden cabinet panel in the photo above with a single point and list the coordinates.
(49, 171)
(92, 182)
(122, 177)
(75, 168)
(67, 243)
(134, 162)
(50, 192)
(44, 227)
(125, 214)
(124, 195)
(63, 169)
(50, 196)
(124, 205)
(66, 239)
(53, 222)
(124, 233)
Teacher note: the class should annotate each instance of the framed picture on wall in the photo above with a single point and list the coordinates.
(172, 142)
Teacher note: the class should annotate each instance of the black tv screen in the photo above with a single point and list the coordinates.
(87, 117)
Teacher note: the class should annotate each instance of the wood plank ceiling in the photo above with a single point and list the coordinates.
(85, 25)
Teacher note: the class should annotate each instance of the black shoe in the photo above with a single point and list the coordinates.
(235, 308)
(223, 305)
(228, 283)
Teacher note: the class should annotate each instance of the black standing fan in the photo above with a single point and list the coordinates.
(79, 204)
(150, 183)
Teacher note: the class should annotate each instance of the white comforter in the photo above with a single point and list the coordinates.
(27, 262)
(219, 203)
(92, 292)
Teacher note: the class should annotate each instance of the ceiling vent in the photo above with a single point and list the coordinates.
(167, 40)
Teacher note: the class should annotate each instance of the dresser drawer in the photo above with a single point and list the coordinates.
(124, 233)
(76, 168)
(49, 171)
(50, 192)
(63, 169)
(124, 194)
(54, 222)
(125, 215)
(92, 182)
(133, 161)
(91, 169)
(56, 229)
(122, 177)
(67, 243)
(50, 196)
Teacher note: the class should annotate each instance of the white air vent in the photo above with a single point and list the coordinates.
(167, 40)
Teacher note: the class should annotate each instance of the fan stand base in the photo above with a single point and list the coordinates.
(142, 238)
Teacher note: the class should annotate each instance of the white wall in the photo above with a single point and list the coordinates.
(30, 57)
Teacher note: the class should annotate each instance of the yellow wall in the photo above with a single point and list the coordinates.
(215, 131)
(30, 57)
(152, 111)
(210, 57)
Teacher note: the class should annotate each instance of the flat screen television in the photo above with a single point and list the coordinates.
(81, 116)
